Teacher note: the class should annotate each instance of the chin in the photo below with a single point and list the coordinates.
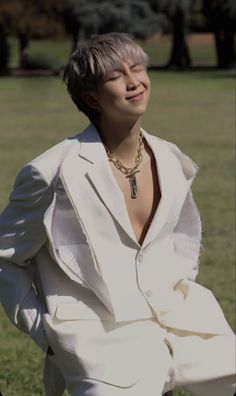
(134, 117)
(140, 110)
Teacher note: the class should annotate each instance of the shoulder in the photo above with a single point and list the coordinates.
(176, 155)
(45, 168)
(48, 163)
(36, 178)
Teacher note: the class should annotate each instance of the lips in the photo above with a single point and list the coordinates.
(137, 96)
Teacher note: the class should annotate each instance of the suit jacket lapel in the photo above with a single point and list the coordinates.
(94, 180)
(175, 177)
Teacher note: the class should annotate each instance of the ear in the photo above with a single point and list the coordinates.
(90, 100)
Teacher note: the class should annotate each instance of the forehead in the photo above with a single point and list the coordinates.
(120, 64)
(125, 63)
(115, 58)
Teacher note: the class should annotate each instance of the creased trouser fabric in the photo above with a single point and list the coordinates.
(158, 371)
(203, 366)
(151, 384)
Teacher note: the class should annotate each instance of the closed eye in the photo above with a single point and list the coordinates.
(115, 77)
(137, 67)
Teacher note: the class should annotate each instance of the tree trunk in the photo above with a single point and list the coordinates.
(77, 36)
(225, 47)
(24, 51)
(4, 52)
(180, 56)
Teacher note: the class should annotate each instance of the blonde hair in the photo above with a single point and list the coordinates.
(93, 60)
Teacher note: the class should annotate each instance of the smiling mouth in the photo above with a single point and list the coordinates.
(136, 97)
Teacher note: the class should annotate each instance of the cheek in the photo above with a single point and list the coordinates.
(147, 82)
(111, 94)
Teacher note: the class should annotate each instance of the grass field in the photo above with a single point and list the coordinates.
(194, 110)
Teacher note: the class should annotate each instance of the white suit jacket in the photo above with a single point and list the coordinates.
(68, 250)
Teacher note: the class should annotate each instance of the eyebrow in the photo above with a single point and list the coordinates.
(131, 66)
(120, 69)
(135, 64)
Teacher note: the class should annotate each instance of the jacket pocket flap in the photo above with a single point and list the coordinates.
(80, 311)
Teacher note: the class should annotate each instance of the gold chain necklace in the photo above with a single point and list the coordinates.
(130, 172)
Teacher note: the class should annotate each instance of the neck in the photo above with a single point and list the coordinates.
(121, 139)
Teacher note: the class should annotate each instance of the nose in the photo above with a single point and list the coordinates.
(132, 83)
(133, 86)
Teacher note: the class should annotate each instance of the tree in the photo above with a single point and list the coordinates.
(4, 51)
(222, 18)
(28, 19)
(178, 12)
(87, 17)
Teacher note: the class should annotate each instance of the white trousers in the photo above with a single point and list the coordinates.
(159, 360)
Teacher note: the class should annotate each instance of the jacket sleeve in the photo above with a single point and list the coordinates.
(187, 237)
(22, 234)
(187, 233)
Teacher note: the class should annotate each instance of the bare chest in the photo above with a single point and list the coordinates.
(141, 209)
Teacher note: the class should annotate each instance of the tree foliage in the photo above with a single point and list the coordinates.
(34, 18)
(171, 6)
(86, 17)
(28, 19)
(100, 16)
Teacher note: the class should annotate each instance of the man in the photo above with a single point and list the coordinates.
(100, 244)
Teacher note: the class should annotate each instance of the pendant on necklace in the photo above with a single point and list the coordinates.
(133, 184)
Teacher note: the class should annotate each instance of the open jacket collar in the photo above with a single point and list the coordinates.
(89, 164)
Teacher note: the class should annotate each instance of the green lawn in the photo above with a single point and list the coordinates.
(195, 110)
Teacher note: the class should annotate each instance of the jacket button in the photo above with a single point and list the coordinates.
(140, 257)
(148, 293)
